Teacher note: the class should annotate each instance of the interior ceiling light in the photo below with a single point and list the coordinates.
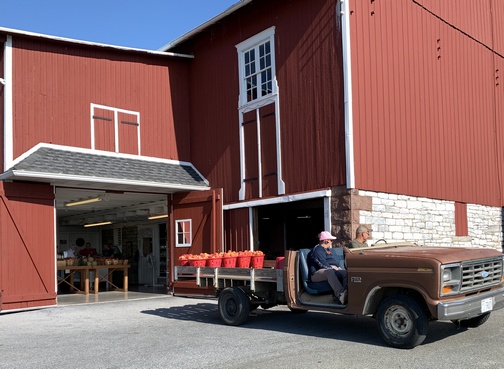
(83, 202)
(158, 216)
(96, 224)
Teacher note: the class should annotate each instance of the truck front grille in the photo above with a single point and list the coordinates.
(480, 274)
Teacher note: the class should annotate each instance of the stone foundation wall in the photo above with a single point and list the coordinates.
(424, 221)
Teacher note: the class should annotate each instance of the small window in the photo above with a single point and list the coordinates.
(184, 233)
(257, 67)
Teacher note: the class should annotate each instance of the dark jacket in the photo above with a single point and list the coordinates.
(320, 258)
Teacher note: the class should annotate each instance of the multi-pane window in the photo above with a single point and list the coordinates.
(257, 69)
(258, 75)
(184, 233)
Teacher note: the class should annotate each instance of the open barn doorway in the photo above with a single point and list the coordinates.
(288, 226)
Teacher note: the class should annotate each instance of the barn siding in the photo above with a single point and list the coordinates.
(54, 85)
(426, 104)
(236, 228)
(309, 73)
(27, 247)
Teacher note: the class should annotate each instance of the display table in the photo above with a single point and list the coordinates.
(110, 269)
(85, 271)
(69, 279)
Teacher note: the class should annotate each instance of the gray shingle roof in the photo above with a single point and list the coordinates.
(54, 161)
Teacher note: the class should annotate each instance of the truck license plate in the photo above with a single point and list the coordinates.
(486, 304)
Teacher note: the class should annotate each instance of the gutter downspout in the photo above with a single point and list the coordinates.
(7, 86)
(347, 82)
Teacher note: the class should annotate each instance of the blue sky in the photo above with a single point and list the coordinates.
(144, 24)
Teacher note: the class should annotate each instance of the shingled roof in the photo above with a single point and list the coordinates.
(61, 165)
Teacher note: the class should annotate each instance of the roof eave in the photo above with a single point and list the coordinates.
(95, 44)
(208, 23)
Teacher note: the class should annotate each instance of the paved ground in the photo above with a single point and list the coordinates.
(174, 332)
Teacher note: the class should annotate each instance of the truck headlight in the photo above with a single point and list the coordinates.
(451, 277)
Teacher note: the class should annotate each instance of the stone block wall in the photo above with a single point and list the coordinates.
(428, 222)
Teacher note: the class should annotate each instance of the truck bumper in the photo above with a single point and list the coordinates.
(472, 306)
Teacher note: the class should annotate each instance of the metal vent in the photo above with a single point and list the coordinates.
(482, 273)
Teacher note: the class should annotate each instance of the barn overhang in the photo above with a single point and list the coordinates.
(66, 166)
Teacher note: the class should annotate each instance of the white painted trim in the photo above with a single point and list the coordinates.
(280, 181)
(8, 105)
(241, 137)
(251, 229)
(278, 200)
(262, 37)
(259, 154)
(55, 234)
(244, 107)
(116, 112)
(327, 213)
(347, 83)
(81, 42)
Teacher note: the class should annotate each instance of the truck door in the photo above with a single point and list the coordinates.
(196, 226)
(291, 278)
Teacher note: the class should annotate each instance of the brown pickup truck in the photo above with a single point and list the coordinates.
(404, 286)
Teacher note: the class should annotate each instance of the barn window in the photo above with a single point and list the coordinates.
(256, 59)
(184, 232)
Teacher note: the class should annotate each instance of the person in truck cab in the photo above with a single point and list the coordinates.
(361, 236)
(324, 267)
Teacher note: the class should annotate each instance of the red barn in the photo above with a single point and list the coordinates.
(260, 128)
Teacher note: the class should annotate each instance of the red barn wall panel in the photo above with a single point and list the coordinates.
(424, 104)
(268, 152)
(27, 265)
(309, 73)
(236, 226)
(128, 133)
(54, 84)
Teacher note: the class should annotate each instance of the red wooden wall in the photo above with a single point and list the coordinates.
(428, 98)
(27, 247)
(61, 80)
(309, 73)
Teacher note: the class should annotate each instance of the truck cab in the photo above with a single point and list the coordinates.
(405, 286)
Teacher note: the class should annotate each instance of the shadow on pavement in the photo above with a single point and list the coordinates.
(317, 324)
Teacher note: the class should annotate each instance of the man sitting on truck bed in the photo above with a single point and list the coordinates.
(324, 267)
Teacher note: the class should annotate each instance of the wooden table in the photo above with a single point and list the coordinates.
(108, 277)
(85, 271)
(69, 279)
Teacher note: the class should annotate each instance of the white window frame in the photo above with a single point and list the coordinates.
(242, 48)
(188, 240)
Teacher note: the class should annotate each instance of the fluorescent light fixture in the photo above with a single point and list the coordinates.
(96, 224)
(83, 202)
(158, 216)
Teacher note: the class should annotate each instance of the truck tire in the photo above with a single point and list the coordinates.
(234, 306)
(402, 321)
(472, 322)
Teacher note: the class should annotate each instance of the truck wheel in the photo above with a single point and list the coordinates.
(472, 322)
(402, 321)
(234, 306)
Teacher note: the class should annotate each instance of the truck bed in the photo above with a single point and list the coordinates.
(255, 279)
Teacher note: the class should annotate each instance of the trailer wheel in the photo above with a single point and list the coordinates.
(402, 321)
(472, 322)
(234, 306)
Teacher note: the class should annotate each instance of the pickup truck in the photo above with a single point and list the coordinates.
(403, 285)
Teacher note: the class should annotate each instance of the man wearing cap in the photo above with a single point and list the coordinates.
(324, 267)
(361, 236)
